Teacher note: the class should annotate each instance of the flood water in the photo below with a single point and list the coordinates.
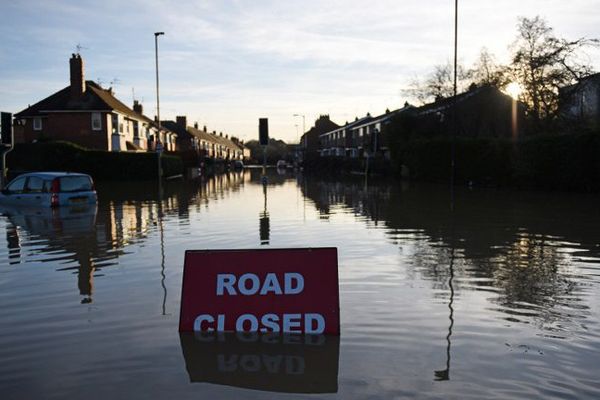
(498, 299)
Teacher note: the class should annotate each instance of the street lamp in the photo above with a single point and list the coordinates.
(303, 123)
(159, 149)
(156, 35)
(158, 143)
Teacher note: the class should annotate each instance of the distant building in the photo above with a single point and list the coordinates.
(91, 116)
(360, 138)
(309, 142)
(339, 142)
(208, 144)
(581, 102)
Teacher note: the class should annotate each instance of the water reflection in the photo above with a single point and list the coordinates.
(264, 222)
(519, 247)
(87, 239)
(269, 362)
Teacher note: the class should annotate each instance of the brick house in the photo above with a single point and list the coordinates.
(91, 116)
(208, 144)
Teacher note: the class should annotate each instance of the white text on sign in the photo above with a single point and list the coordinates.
(250, 284)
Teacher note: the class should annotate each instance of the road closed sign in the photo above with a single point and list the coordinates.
(266, 290)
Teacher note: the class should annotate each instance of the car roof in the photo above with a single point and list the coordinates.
(49, 175)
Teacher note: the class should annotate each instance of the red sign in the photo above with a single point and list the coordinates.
(271, 290)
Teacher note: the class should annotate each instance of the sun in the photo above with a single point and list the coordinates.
(513, 89)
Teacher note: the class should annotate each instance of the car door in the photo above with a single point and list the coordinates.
(33, 194)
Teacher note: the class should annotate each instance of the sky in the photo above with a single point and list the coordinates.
(227, 63)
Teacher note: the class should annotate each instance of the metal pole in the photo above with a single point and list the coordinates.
(5, 151)
(303, 123)
(156, 35)
(455, 122)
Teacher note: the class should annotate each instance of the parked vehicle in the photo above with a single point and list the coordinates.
(49, 189)
(281, 164)
(238, 164)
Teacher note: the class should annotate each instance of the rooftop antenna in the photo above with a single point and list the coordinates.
(115, 81)
(79, 47)
(133, 94)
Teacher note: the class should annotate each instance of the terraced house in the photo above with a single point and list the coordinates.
(208, 144)
(91, 116)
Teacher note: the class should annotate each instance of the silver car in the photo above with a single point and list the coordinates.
(49, 189)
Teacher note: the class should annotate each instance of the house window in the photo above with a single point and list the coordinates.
(136, 132)
(37, 124)
(96, 121)
(115, 123)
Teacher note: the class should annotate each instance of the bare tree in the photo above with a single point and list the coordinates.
(542, 63)
(487, 71)
(439, 83)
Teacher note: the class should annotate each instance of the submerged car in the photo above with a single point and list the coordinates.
(49, 189)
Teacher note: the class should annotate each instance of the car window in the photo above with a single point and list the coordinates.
(17, 185)
(34, 184)
(75, 184)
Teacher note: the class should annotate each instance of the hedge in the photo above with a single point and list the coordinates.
(101, 165)
(557, 162)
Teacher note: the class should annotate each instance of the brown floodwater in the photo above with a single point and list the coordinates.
(499, 298)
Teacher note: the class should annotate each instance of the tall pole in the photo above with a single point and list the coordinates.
(159, 208)
(455, 112)
(158, 149)
(156, 35)
(303, 122)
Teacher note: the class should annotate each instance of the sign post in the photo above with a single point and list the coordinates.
(7, 140)
(267, 291)
(263, 138)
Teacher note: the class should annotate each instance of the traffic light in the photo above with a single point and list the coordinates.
(263, 131)
(6, 128)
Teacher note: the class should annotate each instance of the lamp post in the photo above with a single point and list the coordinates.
(303, 123)
(158, 149)
(455, 112)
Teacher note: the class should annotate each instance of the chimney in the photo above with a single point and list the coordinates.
(181, 121)
(204, 129)
(195, 125)
(137, 107)
(221, 134)
(226, 136)
(77, 80)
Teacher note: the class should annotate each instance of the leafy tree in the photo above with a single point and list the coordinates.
(542, 63)
(276, 150)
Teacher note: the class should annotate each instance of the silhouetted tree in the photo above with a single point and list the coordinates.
(487, 71)
(276, 150)
(542, 63)
(439, 83)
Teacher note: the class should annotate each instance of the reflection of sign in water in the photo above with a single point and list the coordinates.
(273, 362)
(271, 290)
(264, 228)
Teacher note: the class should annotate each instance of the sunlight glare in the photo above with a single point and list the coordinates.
(513, 90)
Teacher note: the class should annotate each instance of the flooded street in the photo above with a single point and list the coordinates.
(498, 299)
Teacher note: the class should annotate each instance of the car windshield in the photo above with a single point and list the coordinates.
(75, 184)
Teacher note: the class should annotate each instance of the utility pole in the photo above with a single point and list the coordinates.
(159, 146)
(455, 112)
